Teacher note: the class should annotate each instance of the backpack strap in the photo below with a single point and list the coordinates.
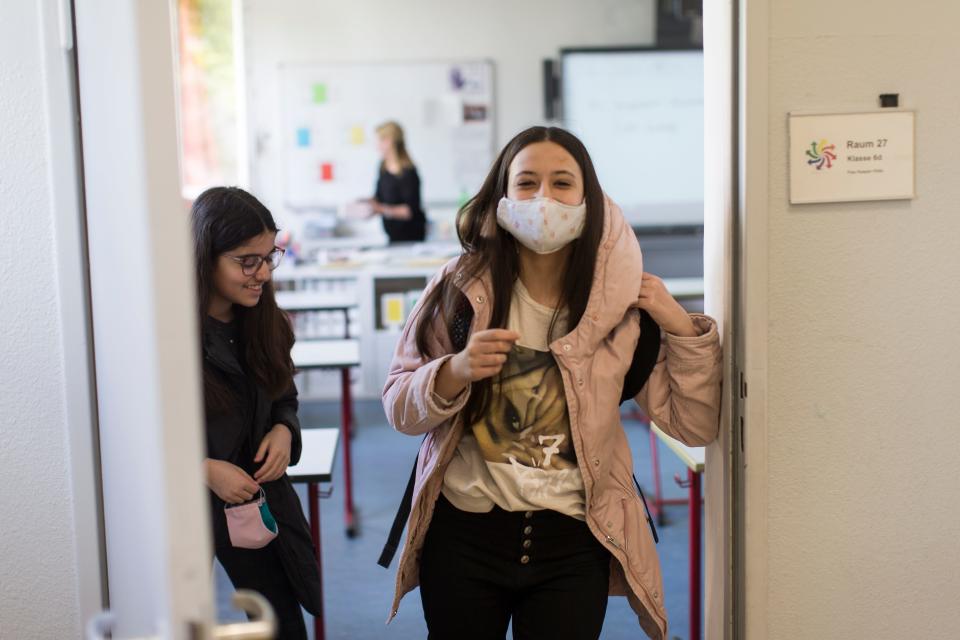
(644, 357)
(644, 360)
(646, 509)
(396, 530)
(459, 332)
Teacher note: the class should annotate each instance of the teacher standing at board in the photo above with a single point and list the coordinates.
(397, 198)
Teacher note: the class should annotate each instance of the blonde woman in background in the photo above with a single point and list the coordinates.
(397, 197)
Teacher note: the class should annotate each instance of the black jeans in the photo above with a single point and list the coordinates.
(543, 569)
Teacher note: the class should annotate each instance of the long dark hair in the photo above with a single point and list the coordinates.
(488, 247)
(224, 218)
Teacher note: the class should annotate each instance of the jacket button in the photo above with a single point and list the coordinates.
(527, 530)
(528, 515)
(526, 544)
(566, 347)
(656, 595)
(596, 462)
(580, 381)
(524, 559)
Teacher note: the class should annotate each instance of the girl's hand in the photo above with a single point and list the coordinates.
(276, 447)
(229, 482)
(663, 308)
(483, 357)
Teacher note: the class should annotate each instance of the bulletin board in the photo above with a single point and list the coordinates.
(329, 113)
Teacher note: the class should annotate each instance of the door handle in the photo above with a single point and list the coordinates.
(261, 626)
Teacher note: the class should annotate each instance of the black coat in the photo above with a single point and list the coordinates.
(226, 435)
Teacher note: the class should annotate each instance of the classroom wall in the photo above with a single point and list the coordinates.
(851, 491)
(40, 595)
(517, 36)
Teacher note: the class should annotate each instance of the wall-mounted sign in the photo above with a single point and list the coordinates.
(851, 157)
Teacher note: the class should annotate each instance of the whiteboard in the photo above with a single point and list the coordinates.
(640, 114)
(329, 113)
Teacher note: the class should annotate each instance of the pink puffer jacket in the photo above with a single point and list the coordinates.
(682, 396)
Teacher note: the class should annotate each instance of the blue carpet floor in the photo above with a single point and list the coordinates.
(358, 593)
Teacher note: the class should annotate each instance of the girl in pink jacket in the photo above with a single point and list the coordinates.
(513, 365)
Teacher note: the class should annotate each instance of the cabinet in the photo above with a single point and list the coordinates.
(396, 274)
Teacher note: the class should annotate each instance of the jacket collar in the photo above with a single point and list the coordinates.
(217, 350)
(616, 282)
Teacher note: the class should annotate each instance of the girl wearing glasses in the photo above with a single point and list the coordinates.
(252, 430)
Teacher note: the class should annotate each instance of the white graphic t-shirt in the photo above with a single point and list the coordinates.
(519, 456)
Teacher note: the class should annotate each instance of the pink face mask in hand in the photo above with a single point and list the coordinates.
(251, 525)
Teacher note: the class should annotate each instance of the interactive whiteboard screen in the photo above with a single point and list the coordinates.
(640, 114)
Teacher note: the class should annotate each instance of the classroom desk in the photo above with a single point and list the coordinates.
(326, 354)
(316, 301)
(316, 466)
(363, 276)
(342, 355)
(694, 459)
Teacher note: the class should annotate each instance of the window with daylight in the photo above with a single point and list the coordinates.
(211, 130)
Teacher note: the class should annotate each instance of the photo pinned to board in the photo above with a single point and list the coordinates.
(474, 113)
(326, 172)
(319, 93)
(358, 135)
(468, 78)
(303, 137)
(444, 111)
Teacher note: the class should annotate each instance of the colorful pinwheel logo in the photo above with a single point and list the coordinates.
(821, 154)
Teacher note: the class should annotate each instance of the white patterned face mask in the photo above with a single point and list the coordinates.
(541, 224)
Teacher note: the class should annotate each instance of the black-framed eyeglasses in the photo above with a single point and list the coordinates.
(250, 264)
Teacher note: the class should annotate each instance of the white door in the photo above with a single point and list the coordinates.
(145, 322)
(721, 274)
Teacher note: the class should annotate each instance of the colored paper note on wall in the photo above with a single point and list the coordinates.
(303, 137)
(391, 309)
(326, 171)
(319, 93)
(357, 136)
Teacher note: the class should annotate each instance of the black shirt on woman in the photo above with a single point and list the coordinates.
(402, 188)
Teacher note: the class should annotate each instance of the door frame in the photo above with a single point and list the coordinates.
(73, 291)
(722, 301)
(131, 182)
(144, 322)
(751, 524)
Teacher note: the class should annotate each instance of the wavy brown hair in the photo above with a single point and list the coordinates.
(488, 248)
(224, 218)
